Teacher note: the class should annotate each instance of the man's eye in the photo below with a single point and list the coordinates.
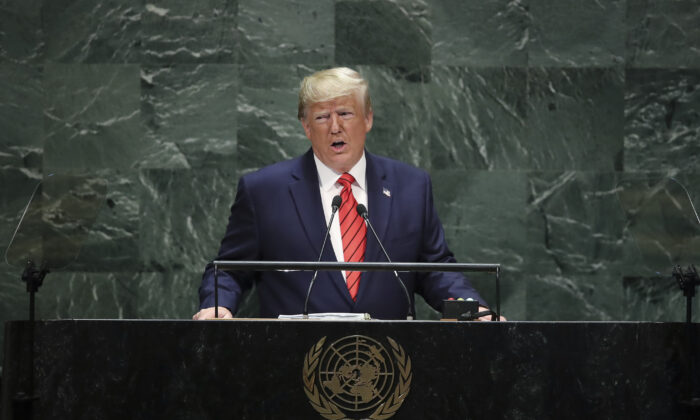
(321, 117)
(345, 114)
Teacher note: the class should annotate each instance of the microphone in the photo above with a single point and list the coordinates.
(335, 205)
(362, 211)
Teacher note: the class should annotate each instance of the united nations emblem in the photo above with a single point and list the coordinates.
(356, 377)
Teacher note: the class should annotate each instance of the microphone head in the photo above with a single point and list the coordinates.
(337, 201)
(362, 210)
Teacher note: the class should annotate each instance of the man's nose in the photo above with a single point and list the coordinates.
(335, 123)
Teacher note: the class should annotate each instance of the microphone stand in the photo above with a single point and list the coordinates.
(23, 403)
(34, 278)
(335, 205)
(362, 210)
(688, 281)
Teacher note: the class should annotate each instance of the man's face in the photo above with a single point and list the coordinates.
(337, 130)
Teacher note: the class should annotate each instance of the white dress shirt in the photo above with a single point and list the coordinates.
(329, 186)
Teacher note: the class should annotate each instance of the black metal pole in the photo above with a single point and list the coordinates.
(216, 292)
(355, 266)
(498, 294)
(23, 401)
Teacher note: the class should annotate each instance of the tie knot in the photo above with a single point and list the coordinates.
(346, 179)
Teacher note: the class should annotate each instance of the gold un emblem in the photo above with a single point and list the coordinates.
(356, 377)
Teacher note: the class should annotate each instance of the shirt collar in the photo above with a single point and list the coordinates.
(327, 177)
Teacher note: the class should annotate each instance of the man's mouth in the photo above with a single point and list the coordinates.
(338, 145)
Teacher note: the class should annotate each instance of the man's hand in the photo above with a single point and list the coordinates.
(488, 317)
(208, 313)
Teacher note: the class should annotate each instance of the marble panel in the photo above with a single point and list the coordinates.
(115, 295)
(482, 215)
(21, 118)
(268, 128)
(91, 117)
(17, 187)
(189, 112)
(183, 216)
(400, 112)
(296, 31)
(112, 244)
(576, 297)
(85, 31)
(575, 119)
(576, 33)
(21, 36)
(388, 32)
(165, 295)
(181, 31)
(575, 222)
(14, 299)
(85, 295)
(575, 234)
(478, 118)
(479, 33)
(662, 120)
(663, 34)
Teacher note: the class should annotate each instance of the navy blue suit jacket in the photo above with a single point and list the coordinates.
(278, 216)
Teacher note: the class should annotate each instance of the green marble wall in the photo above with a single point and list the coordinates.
(528, 114)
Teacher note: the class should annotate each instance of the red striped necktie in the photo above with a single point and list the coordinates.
(353, 232)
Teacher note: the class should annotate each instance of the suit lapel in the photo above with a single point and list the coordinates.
(379, 203)
(307, 201)
(304, 189)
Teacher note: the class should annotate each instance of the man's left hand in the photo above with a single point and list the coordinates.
(488, 317)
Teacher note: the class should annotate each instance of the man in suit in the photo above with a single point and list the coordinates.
(281, 213)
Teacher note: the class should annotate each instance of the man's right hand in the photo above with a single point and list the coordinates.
(208, 313)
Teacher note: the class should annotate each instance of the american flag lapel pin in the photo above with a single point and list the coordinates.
(386, 192)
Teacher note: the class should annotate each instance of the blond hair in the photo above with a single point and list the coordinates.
(333, 83)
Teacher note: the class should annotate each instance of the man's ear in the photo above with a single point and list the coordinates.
(369, 119)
